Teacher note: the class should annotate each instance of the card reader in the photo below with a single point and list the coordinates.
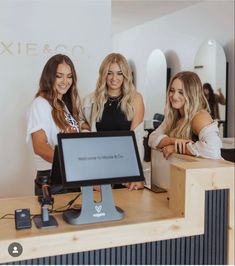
(22, 219)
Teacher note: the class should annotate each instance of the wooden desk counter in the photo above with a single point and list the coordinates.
(148, 216)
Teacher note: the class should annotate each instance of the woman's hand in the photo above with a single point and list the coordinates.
(168, 150)
(134, 185)
(96, 188)
(180, 145)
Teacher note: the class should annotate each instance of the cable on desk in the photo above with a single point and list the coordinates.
(68, 205)
(4, 216)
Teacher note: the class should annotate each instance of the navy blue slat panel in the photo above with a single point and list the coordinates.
(172, 251)
(133, 254)
(148, 253)
(201, 249)
(163, 252)
(225, 207)
(168, 250)
(92, 257)
(214, 233)
(193, 248)
(159, 249)
(143, 254)
(128, 255)
(177, 251)
(217, 226)
(74, 258)
(153, 252)
(107, 256)
(187, 250)
(222, 224)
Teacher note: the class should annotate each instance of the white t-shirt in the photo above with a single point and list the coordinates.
(40, 117)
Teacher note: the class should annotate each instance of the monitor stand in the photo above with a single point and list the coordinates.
(93, 212)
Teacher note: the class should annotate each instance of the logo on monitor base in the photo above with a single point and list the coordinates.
(98, 213)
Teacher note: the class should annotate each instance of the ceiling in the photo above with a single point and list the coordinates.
(130, 13)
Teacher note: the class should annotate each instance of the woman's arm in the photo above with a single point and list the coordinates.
(200, 120)
(138, 105)
(220, 97)
(41, 147)
(209, 143)
(158, 139)
(166, 141)
(85, 127)
(87, 106)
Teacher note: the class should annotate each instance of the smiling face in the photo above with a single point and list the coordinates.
(176, 95)
(64, 79)
(114, 80)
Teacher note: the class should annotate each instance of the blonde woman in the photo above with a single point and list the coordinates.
(56, 108)
(115, 104)
(188, 127)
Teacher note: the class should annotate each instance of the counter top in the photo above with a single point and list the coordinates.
(148, 217)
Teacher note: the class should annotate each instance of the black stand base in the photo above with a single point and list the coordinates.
(45, 224)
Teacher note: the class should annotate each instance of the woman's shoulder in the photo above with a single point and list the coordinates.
(40, 99)
(41, 103)
(202, 114)
(137, 96)
(200, 120)
(89, 99)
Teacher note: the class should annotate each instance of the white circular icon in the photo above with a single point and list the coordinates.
(15, 249)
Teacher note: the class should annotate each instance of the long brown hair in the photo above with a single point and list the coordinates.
(70, 99)
(210, 98)
(195, 101)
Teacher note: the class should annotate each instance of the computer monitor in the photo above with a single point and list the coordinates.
(56, 175)
(55, 180)
(98, 158)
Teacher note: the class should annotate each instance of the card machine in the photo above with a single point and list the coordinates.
(22, 219)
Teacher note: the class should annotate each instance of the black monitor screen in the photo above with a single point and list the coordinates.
(99, 158)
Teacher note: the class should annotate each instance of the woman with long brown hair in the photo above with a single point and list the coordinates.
(56, 108)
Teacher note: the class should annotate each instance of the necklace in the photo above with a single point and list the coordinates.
(113, 99)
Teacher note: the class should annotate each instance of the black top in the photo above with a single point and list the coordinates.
(113, 118)
(194, 137)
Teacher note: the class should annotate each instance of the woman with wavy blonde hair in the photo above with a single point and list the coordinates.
(56, 108)
(188, 127)
(115, 104)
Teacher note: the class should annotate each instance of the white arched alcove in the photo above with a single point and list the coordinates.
(210, 65)
(155, 88)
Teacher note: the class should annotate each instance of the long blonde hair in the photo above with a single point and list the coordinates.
(101, 92)
(70, 99)
(195, 101)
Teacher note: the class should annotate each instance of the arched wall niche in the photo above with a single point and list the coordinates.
(210, 65)
(155, 85)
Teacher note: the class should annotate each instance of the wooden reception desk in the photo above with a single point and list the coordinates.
(149, 217)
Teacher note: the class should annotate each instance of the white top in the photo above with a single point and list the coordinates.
(208, 145)
(39, 117)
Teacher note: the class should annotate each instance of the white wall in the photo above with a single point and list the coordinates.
(31, 32)
(179, 36)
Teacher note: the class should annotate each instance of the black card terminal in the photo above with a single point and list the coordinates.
(22, 219)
